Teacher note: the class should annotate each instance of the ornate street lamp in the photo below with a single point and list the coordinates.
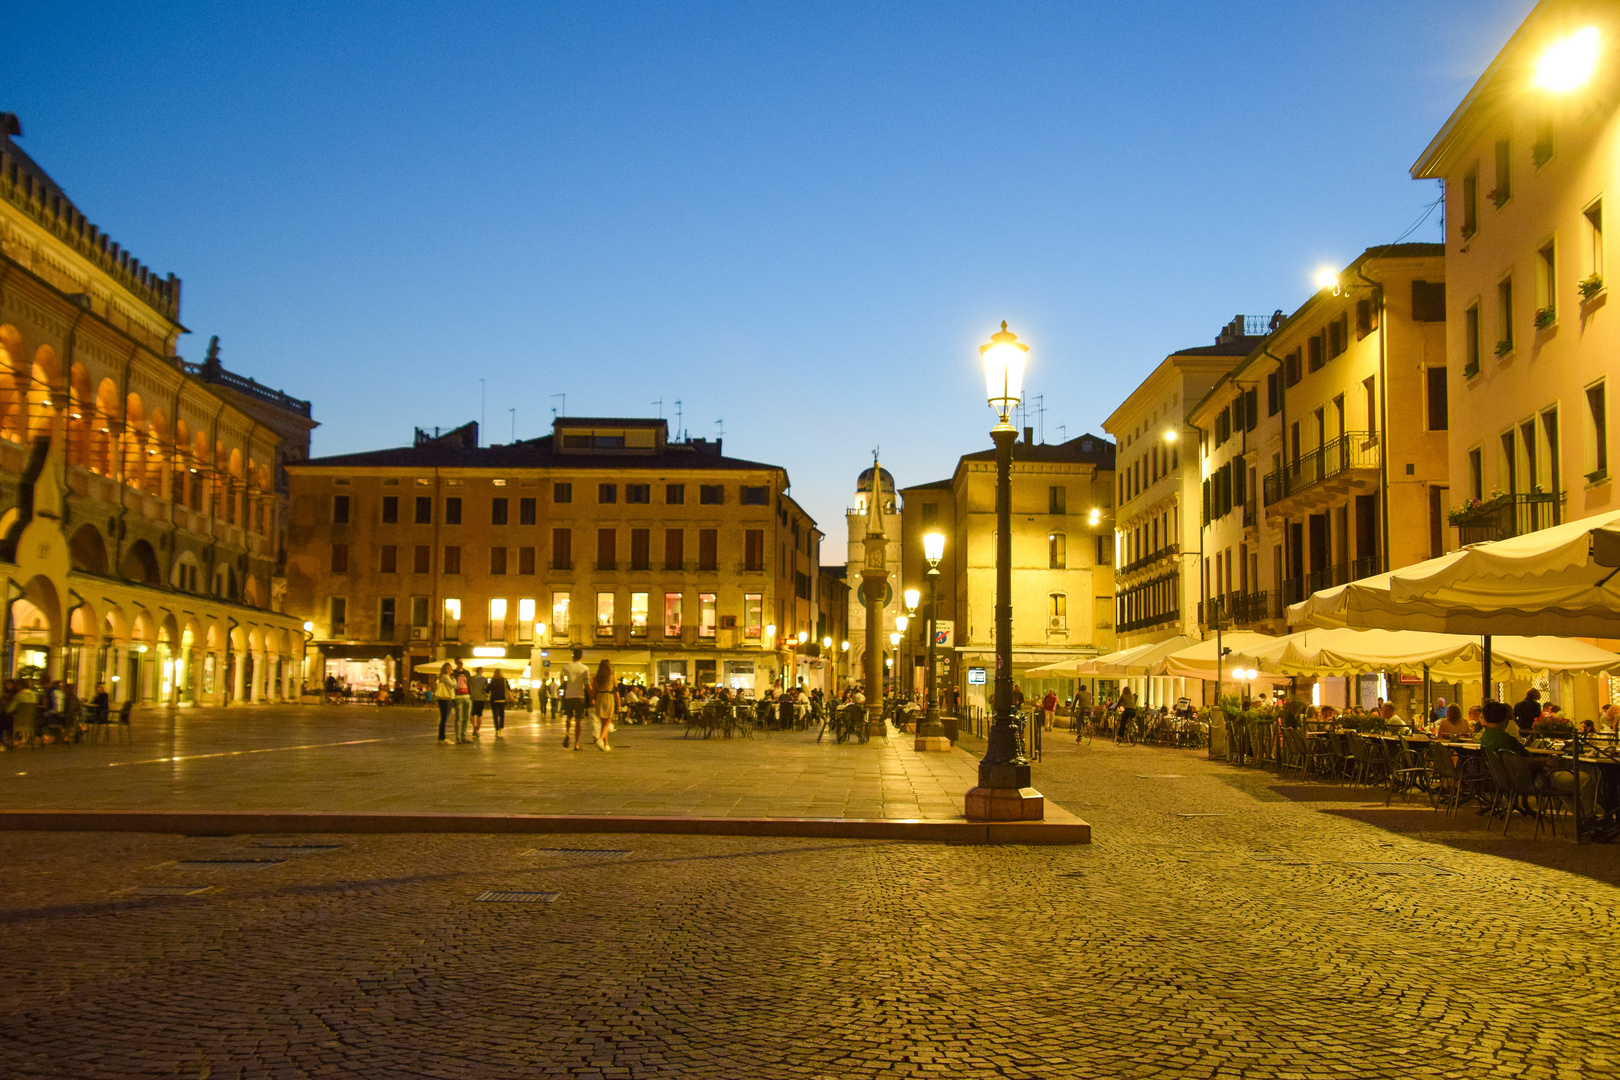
(1004, 793)
(931, 733)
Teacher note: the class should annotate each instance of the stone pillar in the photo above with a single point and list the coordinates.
(238, 683)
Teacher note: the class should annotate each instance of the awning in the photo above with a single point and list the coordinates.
(1143, 662)
(1445, 656)
(1243, 648)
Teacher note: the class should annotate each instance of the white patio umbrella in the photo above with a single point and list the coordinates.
(1343, 651)
(1087, 665)
(1142, 659)
(1243, 648)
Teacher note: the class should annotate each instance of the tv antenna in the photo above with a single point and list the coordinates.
(719, 428)
(513, 411)
(680, 432)
(554, 413)
(660, 404)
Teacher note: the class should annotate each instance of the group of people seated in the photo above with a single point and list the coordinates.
(35, 711)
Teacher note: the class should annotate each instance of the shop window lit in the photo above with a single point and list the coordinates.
(604, 614)
(525, 623)
(708, 616)
(638, 614)
(497, 619)
(753, 614)
(559, 615)
(672, 615)
(452, 619)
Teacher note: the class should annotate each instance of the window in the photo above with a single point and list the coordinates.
(340, 558)
(1057, 500)
(562, 493)
(1471, 340)
(452, 619)
(640, 549)
(1504, 316)
(674, 549)
(497, 512)
(638, 614)
(672, 614)
(1251, 420)
(424, 509)
(1438, 419)
(1273, 394)
(1597, 432)
(525, 560)
(340, 616)
(607, 549)
(754, 549)
(1316, 346)
(1338, 335)
(1057, 551)
(1504, 172)
(675, 494)
(340, 509)
(526, 620)
(497, 620)
(607, 493)
(1541, 151)
(638, 493)
(711, 494)
(452, 559)
(497, 560)
(1594, 250)
(604, 614)
(452, 510)
(1470, 203)
(419, 611)
(1291, 372)
(1429, 301)
(1546, 286)
(526, 511)
(1369, 391)
(708, 549)
(756, 495)
(930, 513)
(385, 618)
(562, 549)
(422, 560)
(390, 509)
(708, 615)
(753, 614)
(1057, 611)
(1105, 549)
(559, 616)
(388, 559)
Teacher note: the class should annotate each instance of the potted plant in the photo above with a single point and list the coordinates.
(1545, 317)
(1589, 287)
(1504, 347)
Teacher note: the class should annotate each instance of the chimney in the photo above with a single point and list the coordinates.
(1029, 436)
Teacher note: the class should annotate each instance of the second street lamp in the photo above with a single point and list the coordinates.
(1004, 793)
(931, 733)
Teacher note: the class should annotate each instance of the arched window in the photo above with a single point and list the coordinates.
(1057, 611)
(1057, 551)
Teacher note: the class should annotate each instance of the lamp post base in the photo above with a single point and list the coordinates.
(1005, 804)
(931, 742)
(931, 733)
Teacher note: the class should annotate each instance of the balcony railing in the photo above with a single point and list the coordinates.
(1238, 609)
(1249, 509)
(1151, 557)
(1147, 621)
(1509, 515)
(1352, 450)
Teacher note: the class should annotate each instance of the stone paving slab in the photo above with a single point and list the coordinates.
(1268, 943)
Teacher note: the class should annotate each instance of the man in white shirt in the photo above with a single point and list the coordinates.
(575, 678)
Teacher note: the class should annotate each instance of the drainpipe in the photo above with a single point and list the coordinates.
(1282, 412)
(123, 488)
(1383, 423)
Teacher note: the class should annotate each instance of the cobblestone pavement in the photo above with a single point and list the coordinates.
(364, 758)
(1286, 937)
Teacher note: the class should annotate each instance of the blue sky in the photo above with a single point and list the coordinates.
(798, 219)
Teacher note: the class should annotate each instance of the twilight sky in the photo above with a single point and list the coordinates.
(800, 219)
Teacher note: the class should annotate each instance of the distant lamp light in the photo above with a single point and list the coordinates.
(826, 643)
(844, 647)
(770, 630)
(804, 635)
(1327, 278)
(1568, 63)
(934, 547)
(1096, 516)
(913, 597)
(1172, 435)
(309, 627)
(894, 639)
(900, 624)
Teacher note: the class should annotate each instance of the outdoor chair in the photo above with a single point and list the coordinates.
(1319, 757)
(1447, 781)
(1364, 767)
(124, 711)
(1522, 782)
(1501, 787)
(1406, 771)
(1343, 761)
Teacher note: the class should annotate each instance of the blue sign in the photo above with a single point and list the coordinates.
(976, 676)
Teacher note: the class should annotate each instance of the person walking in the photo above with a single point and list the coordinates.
(498, 687)
(444, 692)
(25, 712)
(576, 679)
(1049, 708)
(604, 702)
(463, 699)
(478, 692)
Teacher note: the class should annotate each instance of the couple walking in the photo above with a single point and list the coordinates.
(597, 698)
(467, 695)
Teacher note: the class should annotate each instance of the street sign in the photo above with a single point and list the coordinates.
(976, 676)
(945, 633)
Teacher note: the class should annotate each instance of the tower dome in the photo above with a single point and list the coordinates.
(865, 482)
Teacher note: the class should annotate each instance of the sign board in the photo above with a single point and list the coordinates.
(976, 676)
(945, 634)
(1411, 680)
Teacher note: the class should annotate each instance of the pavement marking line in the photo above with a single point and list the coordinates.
(263, 750)
(514, 896)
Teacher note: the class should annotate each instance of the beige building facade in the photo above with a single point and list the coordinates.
(144, 496)
(665, 557)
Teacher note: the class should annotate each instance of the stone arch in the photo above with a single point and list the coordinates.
(201, 466)
(213, 637)
(88, 550)
(102, 422)
(80, 411)
(188, 574)
(134, 442)
(142, 628)
(114, 624)
(13, 381)
(140, 564)
(169, 629)
(83, 622)
(157, 451)
(36, 618)
(43, 382)
(250, 591)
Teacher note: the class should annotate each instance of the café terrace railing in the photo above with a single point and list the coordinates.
(1509, 515)
(1352, 450)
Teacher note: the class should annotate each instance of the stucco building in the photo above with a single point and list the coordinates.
(666, 557)
(144, 497)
